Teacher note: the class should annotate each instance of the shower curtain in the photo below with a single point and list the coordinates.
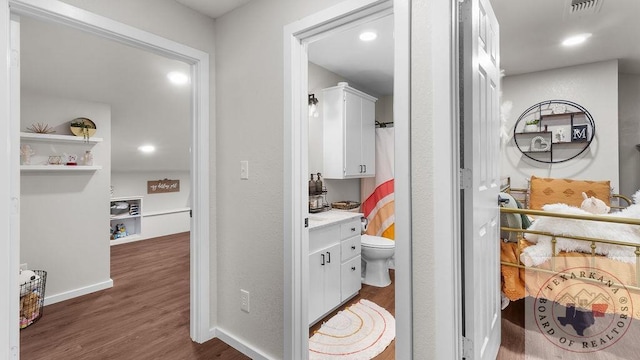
(377, 193)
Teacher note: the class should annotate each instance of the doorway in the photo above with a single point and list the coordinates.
(297, 38)
(199, 133)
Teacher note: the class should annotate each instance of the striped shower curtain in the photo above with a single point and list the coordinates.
(377, 193)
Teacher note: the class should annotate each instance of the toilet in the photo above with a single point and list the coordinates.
(376, 252)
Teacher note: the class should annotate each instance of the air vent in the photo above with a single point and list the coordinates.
(578, 8)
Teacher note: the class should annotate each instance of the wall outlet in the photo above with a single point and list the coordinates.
(244, 170)
(23, 266)
(244, 300)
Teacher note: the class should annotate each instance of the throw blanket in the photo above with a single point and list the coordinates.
(541, 252)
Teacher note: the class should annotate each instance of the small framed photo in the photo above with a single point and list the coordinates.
(560, 133)
(579, 133)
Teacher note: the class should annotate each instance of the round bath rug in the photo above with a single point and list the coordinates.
(360, 332)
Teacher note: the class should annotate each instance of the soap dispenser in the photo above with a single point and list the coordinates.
(312, 186)
(318, 185)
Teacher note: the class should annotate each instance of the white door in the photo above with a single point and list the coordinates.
(480, 159)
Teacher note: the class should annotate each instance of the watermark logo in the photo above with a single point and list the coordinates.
(583, 310)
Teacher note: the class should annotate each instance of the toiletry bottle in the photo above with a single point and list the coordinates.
(88, 158)
(319, 185)
(312, 186)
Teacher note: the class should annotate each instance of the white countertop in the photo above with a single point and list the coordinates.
(331, 217)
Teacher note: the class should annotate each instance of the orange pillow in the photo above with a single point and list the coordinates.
(568, 191)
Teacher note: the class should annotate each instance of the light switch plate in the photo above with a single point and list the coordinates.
(244, 170)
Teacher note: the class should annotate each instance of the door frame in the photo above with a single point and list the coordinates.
(296, 267)
(62, 13)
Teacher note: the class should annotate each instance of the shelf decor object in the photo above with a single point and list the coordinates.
(554, 131)
(83, 127)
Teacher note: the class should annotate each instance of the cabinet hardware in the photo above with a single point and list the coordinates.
(328, 257)
(365, 168)
(353, 268)
(353, 229)
(322, 259)
(353, 247)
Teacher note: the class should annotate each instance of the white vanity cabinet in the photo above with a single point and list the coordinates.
(348, 133)
(334, 266)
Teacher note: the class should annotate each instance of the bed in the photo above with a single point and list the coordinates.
(603, 259)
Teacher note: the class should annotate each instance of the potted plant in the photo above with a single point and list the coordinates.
(531, 125)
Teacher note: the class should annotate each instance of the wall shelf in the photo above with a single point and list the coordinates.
(61, 168)
(58, 138)
(563, 131)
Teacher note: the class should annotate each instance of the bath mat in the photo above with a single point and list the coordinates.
(361, 331)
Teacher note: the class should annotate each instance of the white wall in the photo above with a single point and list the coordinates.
(63, 217)
(169, 19)
(629, 133)
(249, 68)
(346, 189)
(321, 78)
(159, 216)
(595, 87)
(384, 109)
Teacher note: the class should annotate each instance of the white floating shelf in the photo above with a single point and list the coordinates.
(58, 138)
(58, 168)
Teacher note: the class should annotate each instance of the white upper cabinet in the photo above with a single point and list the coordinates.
(349, 133)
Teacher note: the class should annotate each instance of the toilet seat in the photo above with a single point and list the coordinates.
(377, 242)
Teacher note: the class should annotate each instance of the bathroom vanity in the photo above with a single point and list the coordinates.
(334, 261)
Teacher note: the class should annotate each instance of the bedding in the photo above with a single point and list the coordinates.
(518, 283)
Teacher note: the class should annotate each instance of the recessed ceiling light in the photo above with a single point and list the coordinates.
(178, 78)
(575, 40)
(368, 36)
(147, 148)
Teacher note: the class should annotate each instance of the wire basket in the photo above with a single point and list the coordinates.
(345, 205)
(32, 299)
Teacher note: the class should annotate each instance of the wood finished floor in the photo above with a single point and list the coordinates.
(144, 316)
(384, 297)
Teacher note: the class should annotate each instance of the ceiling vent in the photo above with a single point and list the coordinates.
(579, 8)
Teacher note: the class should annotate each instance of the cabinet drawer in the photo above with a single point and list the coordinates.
(350, 229)
(350, 248)
(322, 237)
(351, 278)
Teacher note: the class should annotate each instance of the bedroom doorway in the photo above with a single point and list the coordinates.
(297, 37)
(199, 132)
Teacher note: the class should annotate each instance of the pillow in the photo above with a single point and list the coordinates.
(567, 191)
(513, 221)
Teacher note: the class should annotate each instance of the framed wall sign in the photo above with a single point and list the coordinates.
(163, 186)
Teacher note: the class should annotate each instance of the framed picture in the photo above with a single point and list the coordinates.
(579, 133)
(560, 133)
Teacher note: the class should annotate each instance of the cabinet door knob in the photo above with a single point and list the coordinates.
(353, 247)
(353, 229)
(353, 268)
(328, 257)
(322, 259)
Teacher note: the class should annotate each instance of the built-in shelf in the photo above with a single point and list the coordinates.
(59, 168)
(58, 138)
(126, 239)
(121, 217)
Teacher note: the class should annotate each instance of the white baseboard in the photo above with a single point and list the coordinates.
(48, 300)
(237, 344)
